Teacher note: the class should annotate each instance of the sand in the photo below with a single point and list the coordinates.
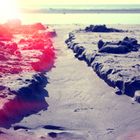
(80, 103)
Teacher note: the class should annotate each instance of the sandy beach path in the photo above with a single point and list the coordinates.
(81, 102)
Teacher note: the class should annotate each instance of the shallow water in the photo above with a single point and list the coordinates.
(82, 18)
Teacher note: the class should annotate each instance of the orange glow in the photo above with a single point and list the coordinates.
(8, 9)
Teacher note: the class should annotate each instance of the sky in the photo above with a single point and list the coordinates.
(28, 3)
(17, 8)
(13, 8)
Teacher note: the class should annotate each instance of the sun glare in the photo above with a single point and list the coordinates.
(8, 9)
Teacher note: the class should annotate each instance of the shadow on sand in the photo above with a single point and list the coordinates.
(28, 100)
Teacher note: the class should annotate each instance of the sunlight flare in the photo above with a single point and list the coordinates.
(9, 9)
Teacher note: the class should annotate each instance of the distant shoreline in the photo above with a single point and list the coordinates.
(80, 11)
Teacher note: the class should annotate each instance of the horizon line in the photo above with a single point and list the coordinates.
(78, 11)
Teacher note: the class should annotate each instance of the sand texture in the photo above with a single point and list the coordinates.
(80, 105)
(117, 62)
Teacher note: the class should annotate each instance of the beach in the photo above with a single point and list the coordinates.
(68, 99)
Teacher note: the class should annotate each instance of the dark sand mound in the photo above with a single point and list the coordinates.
(121, 47)
(101, 28)
(115, 61)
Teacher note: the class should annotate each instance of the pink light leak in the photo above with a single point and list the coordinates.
(33, 51)
(24, 49)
